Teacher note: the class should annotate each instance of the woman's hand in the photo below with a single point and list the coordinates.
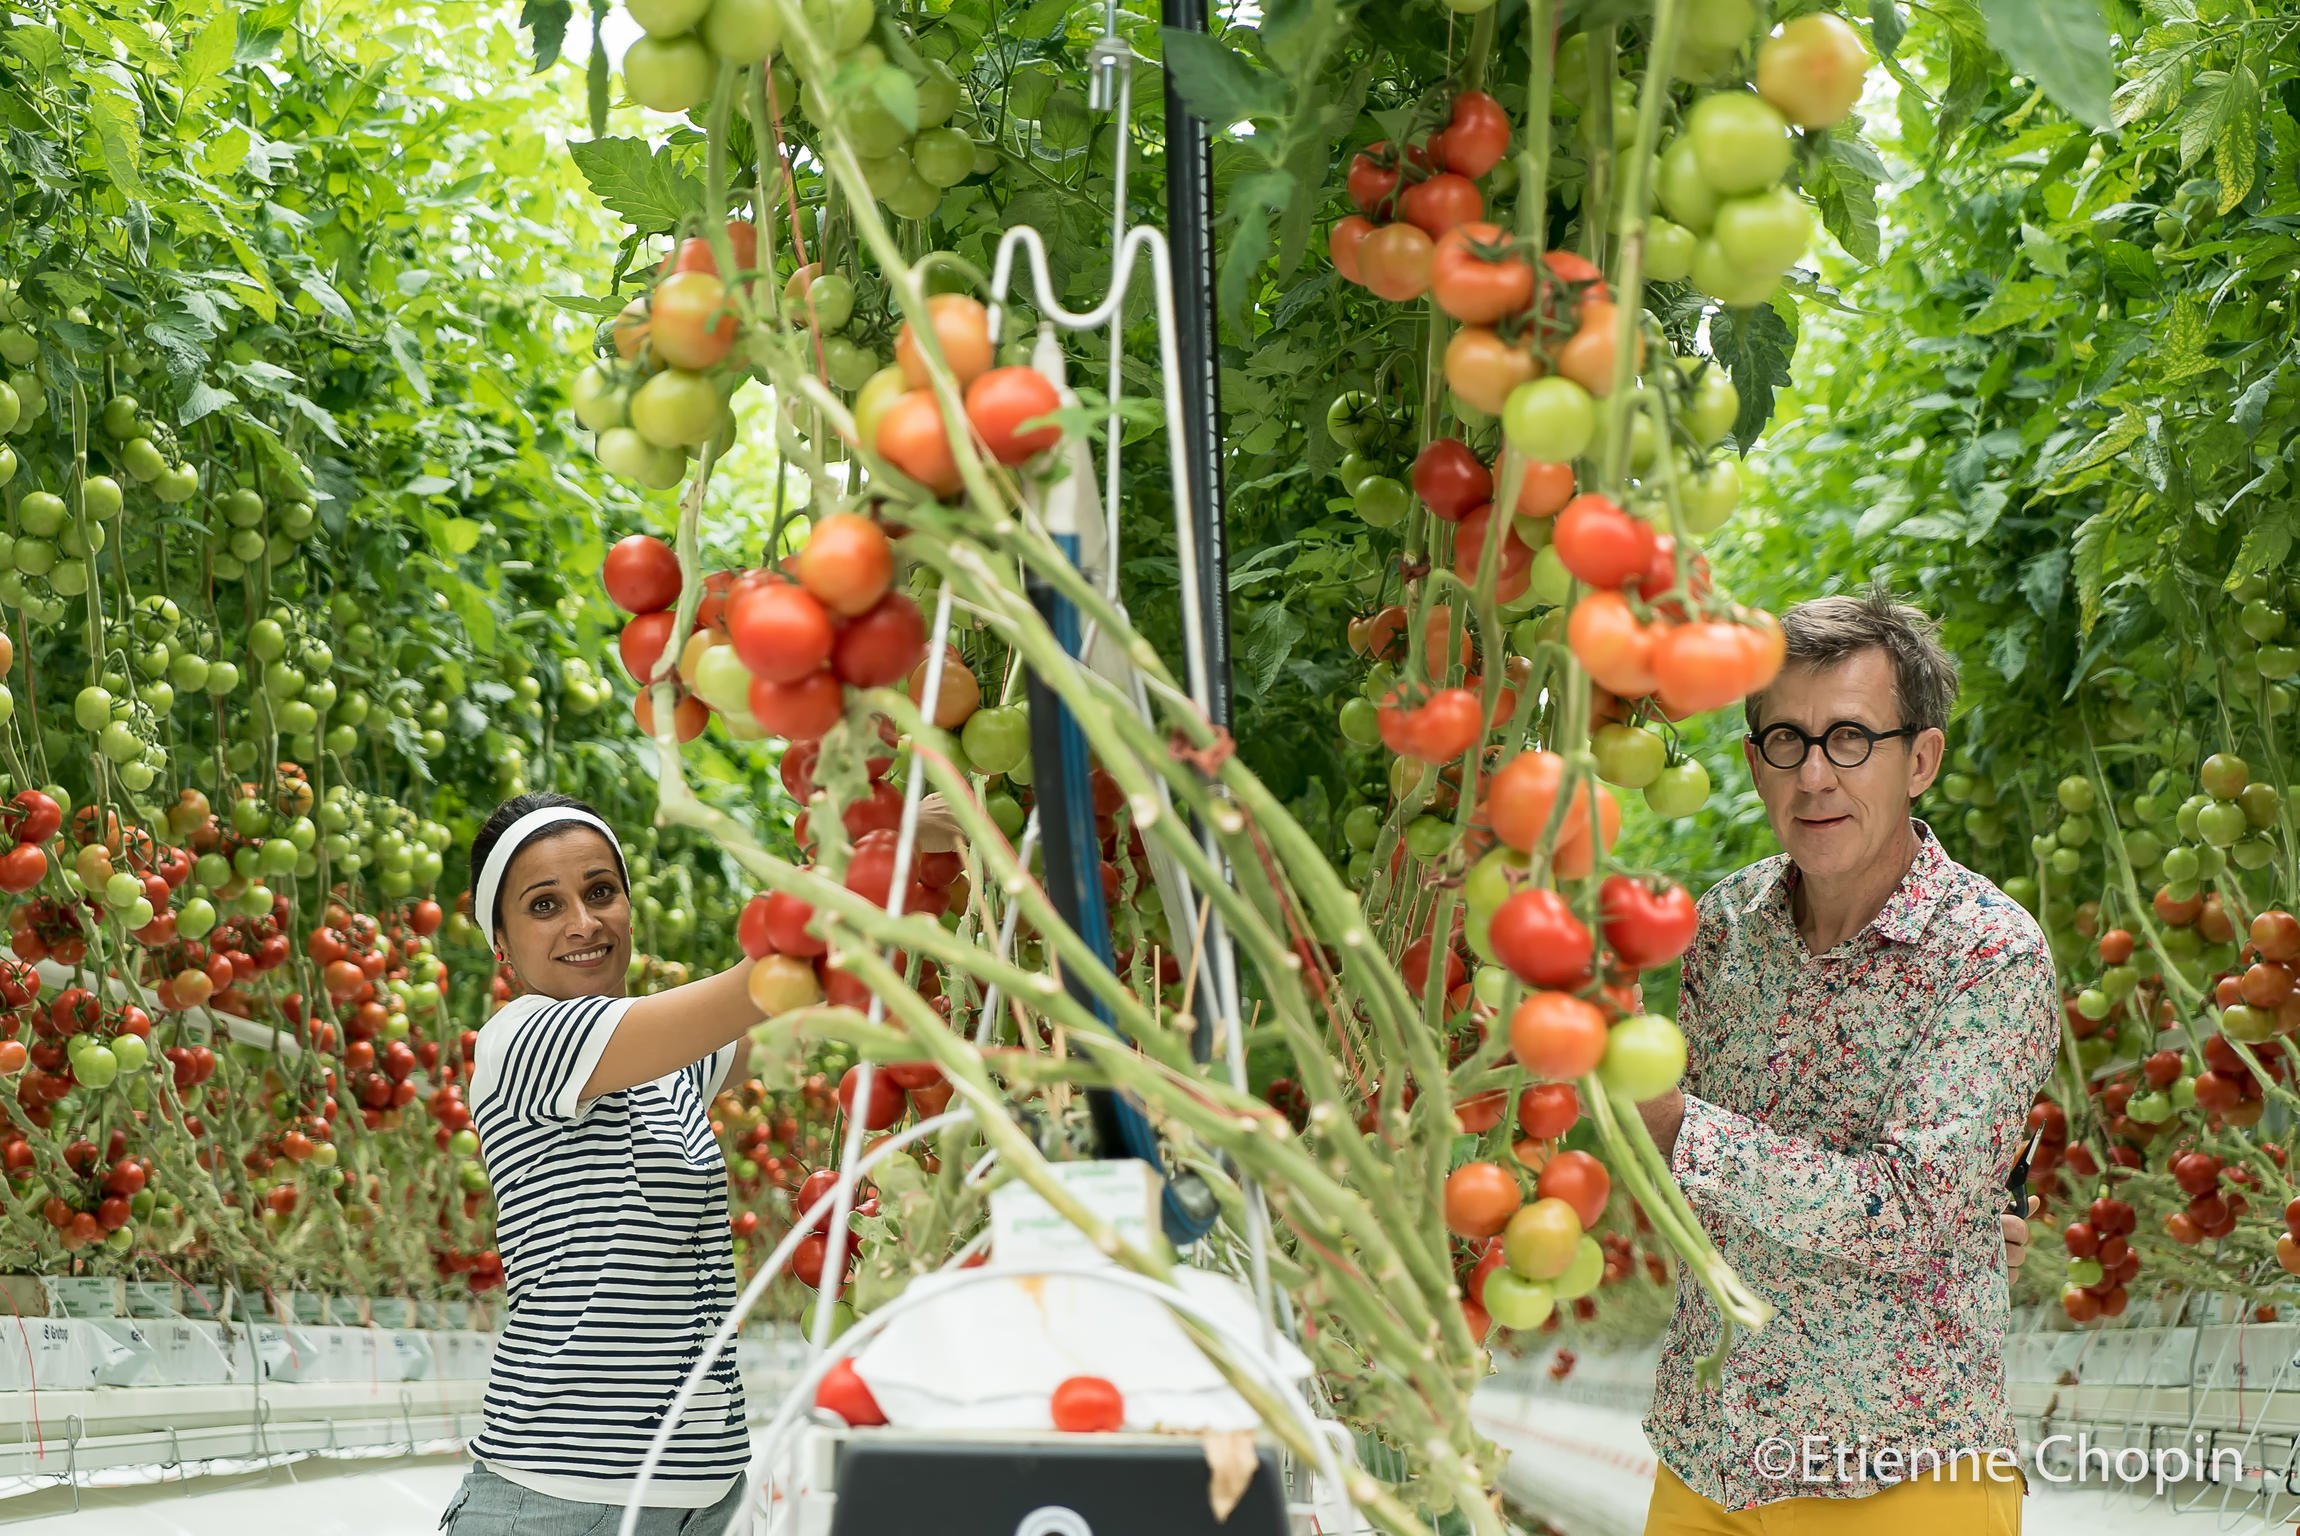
(2016, 1239)
(938, 829)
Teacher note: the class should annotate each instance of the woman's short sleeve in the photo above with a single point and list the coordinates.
(537, 1053)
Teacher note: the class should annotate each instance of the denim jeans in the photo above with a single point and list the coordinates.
(491, 1505)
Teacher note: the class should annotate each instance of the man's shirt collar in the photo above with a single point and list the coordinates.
(1906, 914)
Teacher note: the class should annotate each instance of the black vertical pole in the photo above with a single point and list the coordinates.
(1190, 240)
(1190, 237)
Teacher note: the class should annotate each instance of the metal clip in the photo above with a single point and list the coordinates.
(1108, 63)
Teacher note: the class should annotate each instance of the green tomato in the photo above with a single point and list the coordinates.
(600, 403)
(120, 414)
(1428, 837)
(96, 1067)
(1716, 274)
(1548, 579)
(1006, 812)
(1740, 142)
(41, 513)
(130, 1053)
(1644, 1058)
(1517, 1303)
(2076, 794)
(2222, 823)
(1360, 722)
(943, 157)
(743, 31)
(100, 497)
(2084, 1272)
(1354, 420)
(1382, 502)
(1707, 496)
(143, 461)
(1628, 755)
(677, 409)
(1686, 194)
(997, 739)
(1582, 1275)
(1668, 250)
(1714, 407)
(2141, 848)
(1551, 420)
(92, 708)
(1362, 827)
(671, 74)
(1355, 470)
(1679, 789)
(1765, 231)
(1493, 879)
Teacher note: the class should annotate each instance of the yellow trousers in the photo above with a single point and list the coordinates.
(1926, 1506)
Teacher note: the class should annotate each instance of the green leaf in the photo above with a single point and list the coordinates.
(2131, 267)
(644, 186)
(2043, 579)
(471, 606)
(1218, 85)
(1972, 65)
(2180, 353)
(1755, 345)
(2266, 543)
(201, 71)
(2112, 440)
(2012, 304)
(2088, 552)
(2063, 46)
(2008, 653)
(2163, 66)
(460, 535)
(1270, 638)
(202, 399)
(546, 21)
(2222, 117)
(1847, 195)
(2252, 405)
(1252, 202)
(1886, 28)
(38, 47)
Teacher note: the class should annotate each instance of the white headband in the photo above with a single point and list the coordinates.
(515, 836)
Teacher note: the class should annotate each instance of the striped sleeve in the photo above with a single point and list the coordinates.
(536, 1054)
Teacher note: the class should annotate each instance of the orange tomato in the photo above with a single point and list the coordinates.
(1557, 1036)
(961, 329)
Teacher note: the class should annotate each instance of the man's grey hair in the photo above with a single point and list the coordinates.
(1829, 630)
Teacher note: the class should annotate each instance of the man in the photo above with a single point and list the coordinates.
(1867, 1024)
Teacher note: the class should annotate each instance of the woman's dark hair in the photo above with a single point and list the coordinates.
(499, 822)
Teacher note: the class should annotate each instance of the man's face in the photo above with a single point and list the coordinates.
(1837, 821)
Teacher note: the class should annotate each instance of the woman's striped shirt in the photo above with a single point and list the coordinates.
(611, 1216)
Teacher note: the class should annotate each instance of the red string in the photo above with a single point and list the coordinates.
(798, 240)
(31, 1369)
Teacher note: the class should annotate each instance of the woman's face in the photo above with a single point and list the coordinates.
(566, 916)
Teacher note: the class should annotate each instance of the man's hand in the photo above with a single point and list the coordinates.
(2016, 1239)
(1662, 1118)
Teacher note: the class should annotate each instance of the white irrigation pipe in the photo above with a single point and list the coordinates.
(767, 1271)
(1248, 1354)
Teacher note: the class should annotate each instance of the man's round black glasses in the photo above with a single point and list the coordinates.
(1846, 743)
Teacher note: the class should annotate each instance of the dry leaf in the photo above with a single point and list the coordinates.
(1230, 1457)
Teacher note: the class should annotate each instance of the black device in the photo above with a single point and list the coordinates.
(2016, 1183)
(896, 1484)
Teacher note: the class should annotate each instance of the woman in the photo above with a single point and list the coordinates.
(611, 1199)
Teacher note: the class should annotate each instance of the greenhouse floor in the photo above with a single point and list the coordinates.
(313, 1496)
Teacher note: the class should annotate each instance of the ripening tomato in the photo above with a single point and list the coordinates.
(691, 325)
(1394, 262)
(1476, 275)
(688, 716)
(1612, 644)
(1087, 1405)
(1442, 202)
(1547, 1110)
(1575, 857)
(1450, 480)
(1601, 544)
(800, 710)
(1342, 245)
(957, 694)
(1519, 799)
(1512, 573)
(1587, 357)
(1542, 1239)
(1557, 1036)
(882, 645)
(1580, 1181)
(1376, 635)
(1476, 137)
(1480, 1198)
(1414, 966)
(1001, 401)
(1535, 934)
(2275, 934)
(1481, 369)
(1579, 272)
(695, 255)
(1813, 70)
(1647, 924)
(641, 574)
(847, 564)
(961, 329)
(911, 438)
(1544, 489)
(1373, 178)
(1705, 665)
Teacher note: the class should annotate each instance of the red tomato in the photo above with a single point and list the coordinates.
(1536, 935)
(642, 574)
(785, 919)
(911, 438)
(694, 253)
(1342, 245)
(1450, 480)
(1373, 177)
(1395, 262)
(1088, 1405)
(1478, 135)
(1480, 1198)
(37, 816)
(881, 646)
(1476, 275)
(642, 644)
(780, 632)
(751, 928)
(801, 710)
(1580, 1181)
(22, 867)
(848, 564)
(1442, 728)
(998, 403)
(1705, 665)
(1548, 1110)
(843, 1393)
(1601, 544)
(1545, 490)
(1376, 634)
(1578, 271)
(1647, 924)
(1519, 799)
(1512, 574)
(886, 1102)
(1442, 202)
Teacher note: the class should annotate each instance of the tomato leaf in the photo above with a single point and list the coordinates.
(1219, 85)
(1886, 28)
(1755, 345)
(205, 58)
(2063, 46)
(2223, 118)
(643, 186)
(546, 22)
